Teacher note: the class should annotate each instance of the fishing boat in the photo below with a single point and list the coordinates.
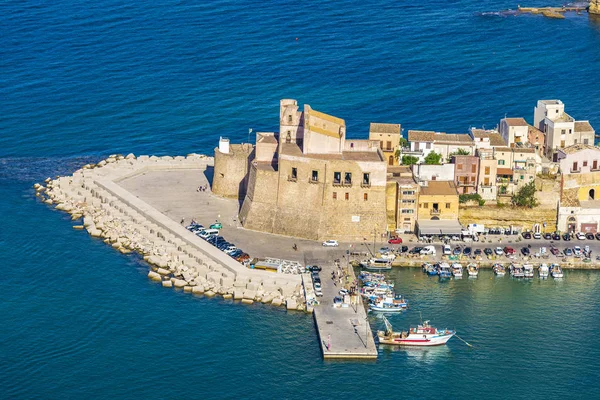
(457, 270)
(421, 335)
(444, 270)
(388, 256)
(390, 304)
(556, 271)
(430, 269)
(516, 271)
(473, 270)
(499, 269)
(377, 264)
(543, 271)
(366, 276)
(528, 271)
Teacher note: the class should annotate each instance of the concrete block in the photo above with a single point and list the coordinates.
(291, 304)
(198, 289)
(247, 301)
(249, 294)
(238, 294)
(167, 284)
(154, 276)
(214, 277)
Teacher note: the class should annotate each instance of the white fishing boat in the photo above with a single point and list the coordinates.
(516, 271)
(457, 270)
(528, 271)
(389, 304)
(499, 269)
(543, 271)
(556, 271)
(444, 270)
(473, 270)
(377, 264)
(421, 335)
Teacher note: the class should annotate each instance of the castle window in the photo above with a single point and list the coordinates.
(294, 173)
(447, 205)
(288, 138)
(315, 176)
(366, 196)
(585, 141)
(290, 118)
(366, 179)
(347, 196)
(348, 178)
(335, 195)
(337, 178)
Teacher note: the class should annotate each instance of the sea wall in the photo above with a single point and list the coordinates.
(177, 258)
(492, 216)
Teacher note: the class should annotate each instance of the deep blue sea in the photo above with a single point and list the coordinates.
(82, 80)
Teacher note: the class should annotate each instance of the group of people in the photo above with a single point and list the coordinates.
(202, 188)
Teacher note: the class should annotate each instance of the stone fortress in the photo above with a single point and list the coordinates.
(309, 180)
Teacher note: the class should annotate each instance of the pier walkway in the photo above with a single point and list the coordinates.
(344, 332)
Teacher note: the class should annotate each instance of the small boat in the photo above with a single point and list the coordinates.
(516, 271)
(543, 271)
(377, 264)
(366, 276)
(444, 270)
(528, 271)
(473, 270)
(430, 269)
(556, 271)
(422, 335)
(390, 304)
(499, 269)
(457, 270)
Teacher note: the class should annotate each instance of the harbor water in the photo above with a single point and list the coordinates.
(80, 81)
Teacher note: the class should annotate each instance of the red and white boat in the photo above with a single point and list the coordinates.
(422, 335)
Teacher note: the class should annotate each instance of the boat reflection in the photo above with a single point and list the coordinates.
(429, 355)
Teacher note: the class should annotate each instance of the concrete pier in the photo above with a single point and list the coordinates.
(344, 333)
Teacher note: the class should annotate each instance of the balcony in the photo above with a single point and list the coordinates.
(466, 184)
(292, 178)
(435, 211)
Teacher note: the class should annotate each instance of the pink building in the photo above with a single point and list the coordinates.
(466, 172)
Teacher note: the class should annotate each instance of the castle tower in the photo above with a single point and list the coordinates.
(290, 123)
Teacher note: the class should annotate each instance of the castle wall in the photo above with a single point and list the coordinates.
(230, 178)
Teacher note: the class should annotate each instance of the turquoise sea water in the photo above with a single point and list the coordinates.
(79, 81)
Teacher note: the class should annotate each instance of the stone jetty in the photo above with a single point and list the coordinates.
(177, 258)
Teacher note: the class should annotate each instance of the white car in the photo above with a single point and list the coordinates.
(499, 251)
(331, 243)
(343, 292)
(537, 235)
(580, 236)
(447, 250)
(577, 251)
(428, 250)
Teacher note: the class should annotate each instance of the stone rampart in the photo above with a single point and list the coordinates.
(492, 216)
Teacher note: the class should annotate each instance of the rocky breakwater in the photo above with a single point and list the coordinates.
(177, 258)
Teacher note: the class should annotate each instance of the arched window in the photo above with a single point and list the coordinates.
(592, 194)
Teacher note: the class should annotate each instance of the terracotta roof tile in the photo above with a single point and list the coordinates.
(516, 121)
(583, 126)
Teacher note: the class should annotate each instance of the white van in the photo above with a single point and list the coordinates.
(205, 234)
(447, 250)
(428, 250)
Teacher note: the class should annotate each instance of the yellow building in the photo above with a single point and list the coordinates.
(438, 201)
(388, 136)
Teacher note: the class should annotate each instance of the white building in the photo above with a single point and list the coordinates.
(514, 130)
(424, 142)
(579, 159)
(425, 173)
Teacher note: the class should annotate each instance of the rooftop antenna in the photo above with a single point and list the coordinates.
(249, 132)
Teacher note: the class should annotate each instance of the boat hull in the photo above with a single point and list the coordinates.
(428, 340)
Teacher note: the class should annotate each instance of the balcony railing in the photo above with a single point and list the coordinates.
(435, 211)
(466, 183)
(575, 170)
(365, 184)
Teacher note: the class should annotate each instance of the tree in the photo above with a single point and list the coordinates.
(404, 143)
(409, 160)
(460, 152)
(525, 196)
(433, 158)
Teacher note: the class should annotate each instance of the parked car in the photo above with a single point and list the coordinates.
(467, 251)
(554, 251)
(548, 236)
(428, 250)
(509, 251)
(589, 236)
(314, 268)
(526, 235)
(457, 250)
(403, 249)
(477, 252)
(566, 237)
(525, 251)
(556, 236)
(499, 251)
(537, 235)
(447, 250)
(343, 292)
(580, 236)
(488, 251)
(385, 249)
(415, 250)
(395, 240)
(597, 236)
(216, 225)
(568, 252)
(331, 243)
(577, 251)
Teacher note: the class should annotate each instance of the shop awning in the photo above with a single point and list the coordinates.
(505, 171)
(439, 227)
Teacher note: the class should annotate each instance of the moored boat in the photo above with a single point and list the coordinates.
(377, 264)
(499, 269)
(528, 271)
(421, 335)
(430, 269)
(444, 270)
(556, 271)
(457, 270)
(390, 304)
(543, 271)
(473, 270)
(516, 271)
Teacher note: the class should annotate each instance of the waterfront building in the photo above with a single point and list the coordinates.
(446, 144)
(514, 131)
(402, 200)
(308, 180)
(486, 139)
(388, 136)
(433, 172)
(488, 173)
(438, 200)
(560, 129)
(466, 172)
(579, 159)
